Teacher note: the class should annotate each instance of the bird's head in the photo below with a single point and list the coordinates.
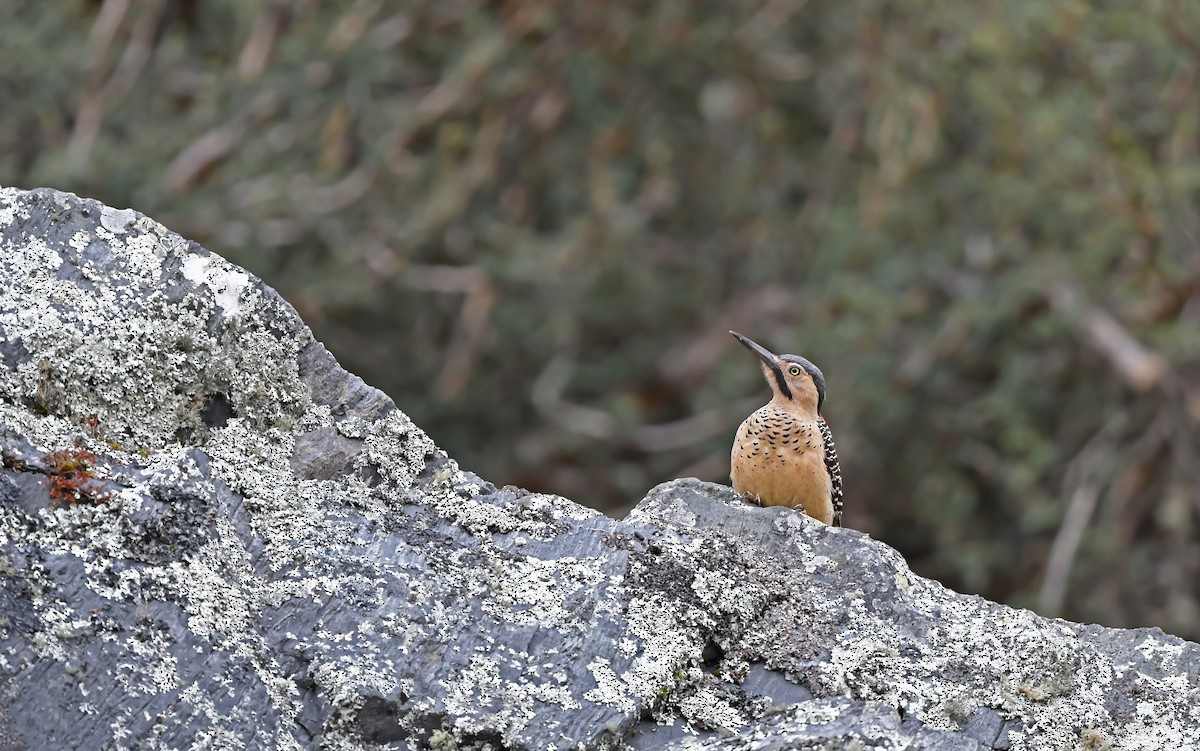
(795, 381)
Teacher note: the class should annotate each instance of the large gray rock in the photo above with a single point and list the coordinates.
(266, 553)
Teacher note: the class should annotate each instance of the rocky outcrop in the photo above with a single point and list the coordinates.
(212, 536)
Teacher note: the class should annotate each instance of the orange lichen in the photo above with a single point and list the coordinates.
(69, 477)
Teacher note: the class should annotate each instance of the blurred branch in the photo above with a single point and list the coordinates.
(782, 64)
(97, 96)
(547, 397)
(689, 431)
(89, 112)
(713, 467)
(479, 295)
(767, 21)
(329, 199)
(103, 32)
(1066, 544)
(925, 355)
(1183, 434)
(461, 81)
(254, 55)
(458, 185)
(203, 155)
(1084, 489)
(699, 353)
(1139, 366)
(1130, 492)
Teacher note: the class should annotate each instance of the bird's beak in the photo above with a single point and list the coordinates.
(770, 361)
(763, 352)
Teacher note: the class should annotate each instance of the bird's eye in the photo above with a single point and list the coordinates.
(794, 370)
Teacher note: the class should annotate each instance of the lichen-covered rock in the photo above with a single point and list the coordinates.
(278, 558)
(264, 553)
(842, 616)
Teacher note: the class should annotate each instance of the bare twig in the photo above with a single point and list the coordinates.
(1081, 483)
(100, 39)
(694, 429)
(257, 50)
(479, 296)
(90, 110)
(1066, 545)
(329, 199)
(548, 400)
(473, 318)
(1139, 366)
(1138, 456)
(547, 397)
(97, 97)
(768, 20)
(699, 353)
(200, 157)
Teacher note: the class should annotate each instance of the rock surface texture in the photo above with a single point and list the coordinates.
(213, 537)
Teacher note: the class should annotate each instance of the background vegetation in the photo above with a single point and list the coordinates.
(532, 223)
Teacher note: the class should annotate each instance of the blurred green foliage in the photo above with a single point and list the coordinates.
(532, 223)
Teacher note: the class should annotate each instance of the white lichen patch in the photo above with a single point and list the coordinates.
(611, 690)
(118, 349)
(480, 687)
(288, 512)
(555, 506)
(668, 632)
(219, 590)
(60, 624)
(557, 690)
(157, 670)
(818, 712)
(709, 709)
(151, 248)
(535, 591)
(398, 450)
(11, 207)
(725, 595)
(256, 461)
(117, 220)
(80, 240)
(85, 530)
(1158, 649)
(347, 676)
(227, 283)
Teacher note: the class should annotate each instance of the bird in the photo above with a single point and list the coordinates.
(783, 454)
